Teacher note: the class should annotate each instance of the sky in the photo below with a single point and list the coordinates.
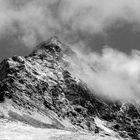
(103, 33)
(25, 23)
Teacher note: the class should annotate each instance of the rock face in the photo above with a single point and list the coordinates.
(39, 86)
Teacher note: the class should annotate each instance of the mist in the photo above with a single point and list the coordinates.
(112, 73)
(37, 20)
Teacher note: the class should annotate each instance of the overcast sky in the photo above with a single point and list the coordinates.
(25, 23)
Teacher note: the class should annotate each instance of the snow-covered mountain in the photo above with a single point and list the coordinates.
(39, 90)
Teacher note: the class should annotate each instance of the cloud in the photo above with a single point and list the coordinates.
(95, 16)
(111, 74)
(36, 20)
(30, 20)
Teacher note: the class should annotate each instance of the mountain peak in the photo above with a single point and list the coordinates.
(51, 44)
(54, 40)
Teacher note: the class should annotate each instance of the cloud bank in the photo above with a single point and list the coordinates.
(111, 74)
(35, 20)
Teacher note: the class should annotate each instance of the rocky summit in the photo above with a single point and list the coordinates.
(40, 91)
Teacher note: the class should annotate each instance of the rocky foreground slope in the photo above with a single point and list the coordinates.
(40, 91)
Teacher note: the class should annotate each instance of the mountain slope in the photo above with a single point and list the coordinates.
(39, 90)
